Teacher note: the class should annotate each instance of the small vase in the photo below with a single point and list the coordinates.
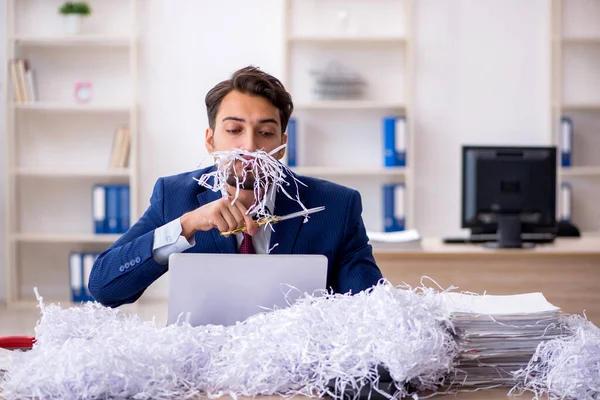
(73, 24)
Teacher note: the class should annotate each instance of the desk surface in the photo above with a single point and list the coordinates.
(490, 394)
(584, 246)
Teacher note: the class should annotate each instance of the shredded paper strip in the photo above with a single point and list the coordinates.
(266, 171)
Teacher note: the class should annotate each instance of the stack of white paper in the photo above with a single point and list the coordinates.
(408, 239)
(498, 335)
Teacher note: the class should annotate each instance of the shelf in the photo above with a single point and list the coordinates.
(581, 106)
(349, 105)
(350, 171)
(65, 238)
(579, 171)
(580, 40)
(348, 39)
(79, 40)
(71, 107)
(42, 173)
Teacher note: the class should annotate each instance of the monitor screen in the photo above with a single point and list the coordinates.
(508, 181)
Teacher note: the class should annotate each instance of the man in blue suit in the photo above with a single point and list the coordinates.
(249, 111)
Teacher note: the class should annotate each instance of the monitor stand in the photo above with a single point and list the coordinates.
(509, 233)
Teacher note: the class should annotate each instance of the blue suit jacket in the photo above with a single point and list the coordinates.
(338, 233)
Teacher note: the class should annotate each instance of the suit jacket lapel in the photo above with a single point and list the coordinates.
(286, 232)
(224, 244)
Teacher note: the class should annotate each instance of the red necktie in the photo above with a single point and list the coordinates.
(247, 247)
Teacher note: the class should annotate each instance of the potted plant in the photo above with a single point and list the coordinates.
(73, 12)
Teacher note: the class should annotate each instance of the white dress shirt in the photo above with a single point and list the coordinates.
(168, 239)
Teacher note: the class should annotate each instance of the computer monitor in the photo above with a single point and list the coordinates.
(509, 190)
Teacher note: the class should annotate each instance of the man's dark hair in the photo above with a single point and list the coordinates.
(251, 80)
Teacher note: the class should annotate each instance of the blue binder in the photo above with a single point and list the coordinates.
(393, 207)
(394, 141)
(566, 141)
(124, 210)
(292, 143)
(112, 208)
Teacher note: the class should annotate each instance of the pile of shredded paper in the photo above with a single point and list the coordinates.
(565, 368)
(96, 352)
(326, 344)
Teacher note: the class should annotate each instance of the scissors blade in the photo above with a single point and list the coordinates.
(301, 213)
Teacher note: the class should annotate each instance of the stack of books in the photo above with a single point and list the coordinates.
(498, 335)
(22, 80)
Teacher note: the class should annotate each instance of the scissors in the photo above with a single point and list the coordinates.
(275, 219)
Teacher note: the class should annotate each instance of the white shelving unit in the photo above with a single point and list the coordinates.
(80, 40)
(349, 39)
(342, 140)
(64, 238)
(350, 105)
(45, 173)
(57, 149)
(67, 107)
(350, 172)
(575, 32)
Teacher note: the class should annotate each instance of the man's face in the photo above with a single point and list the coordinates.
(249, 123)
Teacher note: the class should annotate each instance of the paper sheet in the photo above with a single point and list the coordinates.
(529, 303)
(410, 235)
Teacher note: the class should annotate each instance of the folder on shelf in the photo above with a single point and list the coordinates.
(566, 207)
(88, 263)
(76, 277)
(112, 209)
(124, 211)
(292, 131)
(566, 141)
(394, 207)
(99, 209)
(395, 141)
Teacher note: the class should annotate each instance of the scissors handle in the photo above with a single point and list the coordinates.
(259, 223)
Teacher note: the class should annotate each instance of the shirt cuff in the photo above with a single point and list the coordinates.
(168, 240)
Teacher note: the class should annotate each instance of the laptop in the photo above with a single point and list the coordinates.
(223, 289)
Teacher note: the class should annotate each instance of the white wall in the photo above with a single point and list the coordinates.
(3, 65)
(185, 51)
(482, 76)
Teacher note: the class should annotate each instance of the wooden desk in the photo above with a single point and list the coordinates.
(491, 394)
(567, 272)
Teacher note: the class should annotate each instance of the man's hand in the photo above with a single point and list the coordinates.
(219, 214)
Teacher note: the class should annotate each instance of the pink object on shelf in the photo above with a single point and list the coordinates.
(83, 92)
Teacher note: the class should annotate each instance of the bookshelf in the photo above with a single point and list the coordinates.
(67, 107)
(349, 105)
(575, 74)
(59, 147)
(341, 139)
(350, 172)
